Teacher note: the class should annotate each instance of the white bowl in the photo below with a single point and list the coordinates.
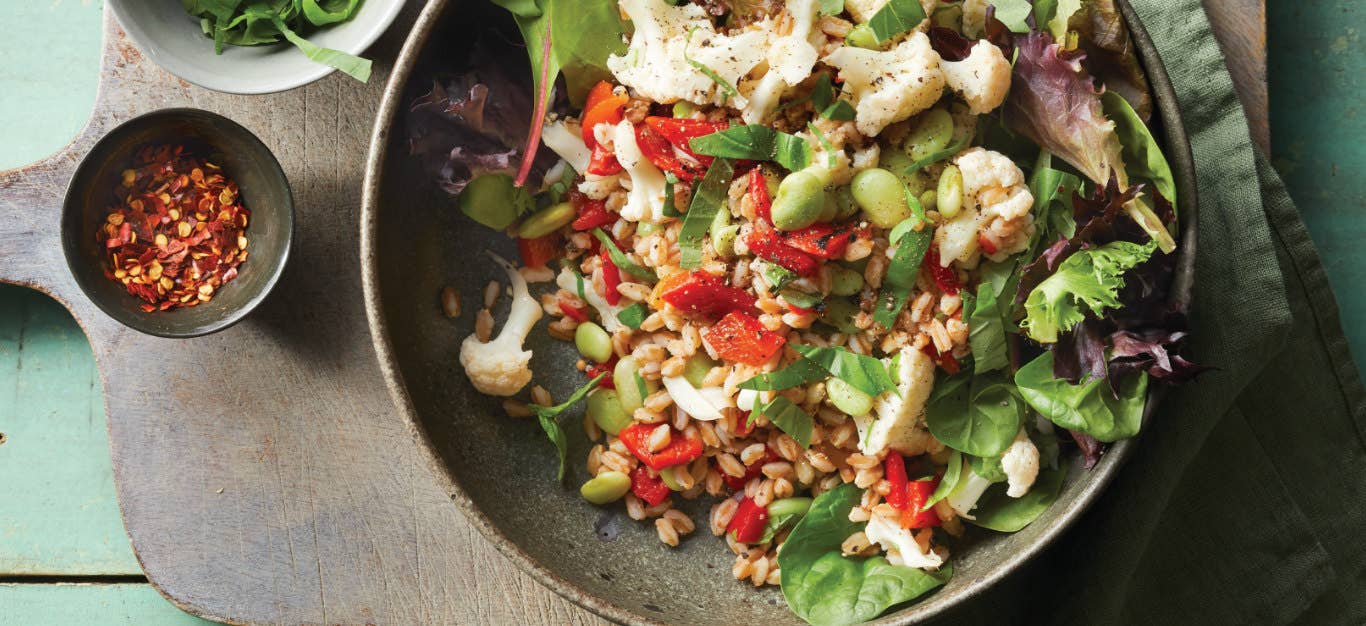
(173, 40)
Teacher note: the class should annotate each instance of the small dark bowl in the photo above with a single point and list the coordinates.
(262, 188)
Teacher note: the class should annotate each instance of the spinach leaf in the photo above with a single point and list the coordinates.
(987, 321)
(582, 35)
(901, 275)
(755, 142)
(799, 373)
(352, 65)
(633, 316)
(234, 22)
(788, 417)
(977, 415)
(1089, 408)
(548, 417)
(1000, 512)
(1088, 281)
(329, 11)
(1013, 13)
(623, 262)
(896, 17)
(861, 371)
(825, 588)
(707, 199)
(1143, 158)
(952, 474)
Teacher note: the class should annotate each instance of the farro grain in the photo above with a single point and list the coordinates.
(763, 495)
(483, 325)
(542, 397)
(659, 509)
(660, 438)
(491, 292)
(862, 461)
(590, 428)
(616, 462)
(516, 408)
(594, 460)
(715, 485)
(819, 461)
(858, 514)
(866, 478)
(721, 514)
(659, 400)
(846, 474)
(666, 532)
(537, 274)
(673, 366)
(634, 291)
(804, 472)
(646, 416)
(777, 469)
(742, 569)
(730, 465)
(760, 574)
(682, 523)
(634, 508)
(854, 544)
(782, 488)
(752, 453)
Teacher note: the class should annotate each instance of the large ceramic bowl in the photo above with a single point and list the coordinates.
(500, 471)
(174, 41)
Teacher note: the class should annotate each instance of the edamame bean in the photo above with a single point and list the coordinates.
(605, 409)
(645, 229)
(723, 240)
(844, 203)
(628, 390)
(847, 398)
(930, 200)
(492, 200)
(546, 221)
(881, 196)
(845, 282)
(593, 342)
(800, 201)
(606, 487)
(950, 16)
(840, 313)
(697, 367)
(830, 210)
(931, 135)
(949, 198)
(788, 506)
(683, 108)
(670, 477)
(862, 36)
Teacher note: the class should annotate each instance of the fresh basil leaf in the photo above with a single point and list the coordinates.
(633, 316)
(670, 179)
(1000, 512)
(777, 275)
(840, 314)
(1091, 407)
(789, 418)
(641, 387)
(952, 474)
(978, 415)
(823, 92)
(902, 273)
(708, 198)
(826, 147)
(802, 299)
(548, 416)
(861, 371)
(987, 330)
(757, 143)
(622, 262)
(328, 11)
(729, 89)
(1143, 158)
(824, 587)
(352, 65)
(895, 18)
(799, 373)
(1088, 281)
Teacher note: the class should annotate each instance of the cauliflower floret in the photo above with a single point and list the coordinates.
(564, 139)
(864, 10)
(900, 416)
(655, 65)
(645, 202)
(996, 204)
(597, 187)
(703, 404)
(982, 79)
(567, 281)
(902, 548)
(501, 367)
(969, 490)
(890, 86)
(975, 18)
(790, 59)
(1021, 465)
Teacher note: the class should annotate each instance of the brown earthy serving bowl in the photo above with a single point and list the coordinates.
(264, 191)
(501, 471)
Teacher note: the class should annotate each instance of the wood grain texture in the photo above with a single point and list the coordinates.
(1240, 27)
(289, 493)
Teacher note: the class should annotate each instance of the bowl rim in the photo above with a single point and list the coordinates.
(71, 256)
(253, 87)
(1178, 151)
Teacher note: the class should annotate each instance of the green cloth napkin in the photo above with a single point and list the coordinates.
(1245, 500)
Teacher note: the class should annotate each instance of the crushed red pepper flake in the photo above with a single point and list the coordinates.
(178, 232)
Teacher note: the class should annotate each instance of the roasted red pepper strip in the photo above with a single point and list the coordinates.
(603, 162)
(894, 470)
(820, 240)
(611, 277)
(602, 107)
(767, 244)
(918, 492)
(661, 153)
(680, 132)
(679, 451)
(593, 214)
(708, 296)
(598, 93)
(594, 369)
(742, 339)
(758, 194)
(747, 525)
(946, 361)
(944, 277)
(539, 251)
(987, 245)
(573, 312)
(649, 488)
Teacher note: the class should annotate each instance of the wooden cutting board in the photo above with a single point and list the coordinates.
(262, 473)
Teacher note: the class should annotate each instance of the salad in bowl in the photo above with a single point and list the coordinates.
(857, 273)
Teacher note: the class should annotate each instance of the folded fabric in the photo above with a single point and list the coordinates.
(1245, 500)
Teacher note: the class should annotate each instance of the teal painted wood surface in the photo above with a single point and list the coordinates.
(89, 604)
(58, 513)
(1318, 136)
